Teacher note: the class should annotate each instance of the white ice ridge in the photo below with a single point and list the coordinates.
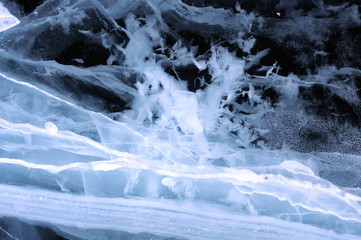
(189, 221)
(22, 83)
(7, 20)
(297, 192)
(94, 115)
(301, 189)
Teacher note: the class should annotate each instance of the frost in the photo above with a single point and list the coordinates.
(66, 17)
(238, 7)
(246, 44)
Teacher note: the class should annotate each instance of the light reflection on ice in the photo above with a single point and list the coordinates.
(7, 20)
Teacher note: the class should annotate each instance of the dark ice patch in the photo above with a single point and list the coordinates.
(84, 54)
(195, 78)
(323, 102)
(29, 5)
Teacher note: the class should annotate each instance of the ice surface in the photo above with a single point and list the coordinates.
(191, 221)
(6, 19)
(158, 119)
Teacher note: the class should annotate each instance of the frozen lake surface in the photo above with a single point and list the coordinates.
(188, 119)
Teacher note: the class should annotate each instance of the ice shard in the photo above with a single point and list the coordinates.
(7, 20)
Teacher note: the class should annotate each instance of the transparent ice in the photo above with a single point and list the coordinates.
(174, 163)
